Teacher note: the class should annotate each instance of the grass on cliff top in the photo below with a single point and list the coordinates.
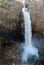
(1, 6)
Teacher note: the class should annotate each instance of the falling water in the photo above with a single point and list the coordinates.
(28, 47)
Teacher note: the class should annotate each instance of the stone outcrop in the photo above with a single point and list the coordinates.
(10, 19)
(36, 9)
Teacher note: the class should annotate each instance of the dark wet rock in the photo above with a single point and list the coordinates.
(11, 55)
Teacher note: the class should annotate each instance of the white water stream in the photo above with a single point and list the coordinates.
(28, 46)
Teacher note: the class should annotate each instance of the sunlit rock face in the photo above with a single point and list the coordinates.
(9, 14)
(11, 6)
(36, 9)
(10, 18)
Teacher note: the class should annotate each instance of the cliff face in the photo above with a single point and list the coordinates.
(11, 8)
(10, 18)
(36, 9)
(10, 11)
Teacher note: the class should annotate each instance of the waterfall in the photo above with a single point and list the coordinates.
(28, 47)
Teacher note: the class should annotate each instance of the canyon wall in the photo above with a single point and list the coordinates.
(36, 9)
(10, 14)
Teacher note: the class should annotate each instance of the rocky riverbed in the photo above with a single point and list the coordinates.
(11, 54)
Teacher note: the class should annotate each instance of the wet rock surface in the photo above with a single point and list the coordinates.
(10, 55)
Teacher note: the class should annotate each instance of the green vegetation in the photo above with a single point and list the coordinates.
(1, 6)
